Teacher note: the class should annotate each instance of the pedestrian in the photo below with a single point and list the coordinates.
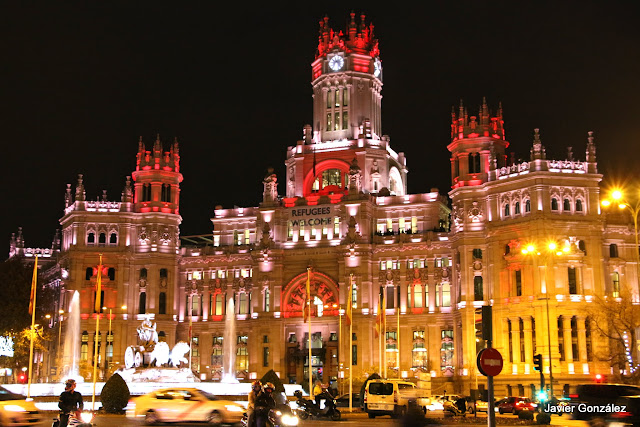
(70, 402)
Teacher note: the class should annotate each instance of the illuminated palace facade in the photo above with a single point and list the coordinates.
(343, 211)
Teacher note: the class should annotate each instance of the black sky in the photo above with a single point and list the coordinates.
(81, 81)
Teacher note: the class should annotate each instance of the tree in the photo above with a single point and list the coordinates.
(617, 320)
(115, 395)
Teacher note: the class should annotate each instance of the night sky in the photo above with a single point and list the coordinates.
(81, 82)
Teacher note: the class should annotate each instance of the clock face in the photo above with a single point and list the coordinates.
(377, 67)
(336, 63)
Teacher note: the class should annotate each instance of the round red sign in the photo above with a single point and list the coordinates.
(489, 362)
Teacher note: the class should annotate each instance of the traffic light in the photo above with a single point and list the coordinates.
(22, 379)
(537, 362)
(542, 396)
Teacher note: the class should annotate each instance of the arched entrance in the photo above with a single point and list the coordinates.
(324, 292)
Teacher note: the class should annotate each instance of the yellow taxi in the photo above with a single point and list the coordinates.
(179, 405)
(15, 410)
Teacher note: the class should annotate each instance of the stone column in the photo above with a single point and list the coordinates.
(582, 338)
(206, 304)
(566, 331)
(515, 339)
(528, 340)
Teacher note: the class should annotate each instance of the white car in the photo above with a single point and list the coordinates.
(179, 405)
(15, 410)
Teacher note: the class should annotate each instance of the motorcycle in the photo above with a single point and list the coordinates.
(85, 420)
(281, 416)
(308, 408)
(453, 408)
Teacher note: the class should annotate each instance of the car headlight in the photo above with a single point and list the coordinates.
(534, 405)
(14, 408)
(234, 408)
(86, 417)
(289, 420)
(278, 413)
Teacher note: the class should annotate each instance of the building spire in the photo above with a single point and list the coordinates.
(591, 148)
(537, 151)
(80, 193)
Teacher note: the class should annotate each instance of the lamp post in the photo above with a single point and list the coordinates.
(617, 197)
(552, 249)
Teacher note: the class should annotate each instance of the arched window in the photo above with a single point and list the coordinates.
(111, 273)
(478, 291)
(143, 273)
(91, 238)
(102, 238)
(579, 205)
(517, 208)
(113, 238)
(554, 204)
(142, 303)
(566, 205)
(162, 303)
(613, 250)
(88, 273)
(527, 205)
(507, 210)
(582, 246)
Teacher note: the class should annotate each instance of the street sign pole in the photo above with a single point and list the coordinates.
(487, 334)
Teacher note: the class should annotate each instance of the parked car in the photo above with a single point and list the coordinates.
(478, 405)
(15, 410)
(343, 401)
(388, 397)
(515, 404)
(598, 395)
(185, 405)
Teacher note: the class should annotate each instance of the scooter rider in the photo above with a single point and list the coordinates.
(70, 402)
(256, 389)
(264, 403)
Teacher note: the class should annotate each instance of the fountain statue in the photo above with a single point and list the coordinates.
(229, 345)
(153, 361)
(71, 355)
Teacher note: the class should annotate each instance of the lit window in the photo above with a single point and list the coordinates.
(414, 224)
(216, 240)
(389, 224)
(401, 225)
(383, 265)
(331, 177)
(328, 121)
(267, 300)
(616, 285)
(345, 120)
(329, 93)
(345, 97)
(446, 294)
(336, 121)
(336, 226)
(417, 296)
(197, 275)
(301, 229)
(354, 297)
(247, 237)
(336, 96)
(380, 228)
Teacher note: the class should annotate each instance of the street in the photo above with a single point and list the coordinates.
(357, 420)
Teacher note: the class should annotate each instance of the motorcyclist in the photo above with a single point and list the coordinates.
(256, 389)
(70, 402)
(263, 404)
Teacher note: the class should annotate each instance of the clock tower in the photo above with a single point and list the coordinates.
(345, 144)
(346, 80)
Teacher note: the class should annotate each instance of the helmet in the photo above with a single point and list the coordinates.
(269, 387)
(256, 383)
(70, 383)
(297, 394)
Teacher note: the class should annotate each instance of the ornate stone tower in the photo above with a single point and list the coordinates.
(157, 179)
(346, 77)
(346, 80)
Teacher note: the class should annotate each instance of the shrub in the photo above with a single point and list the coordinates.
(115, 395)
(543, 418)
(525, 415)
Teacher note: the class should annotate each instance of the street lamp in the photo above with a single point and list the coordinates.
(617, 197)
(552, 249)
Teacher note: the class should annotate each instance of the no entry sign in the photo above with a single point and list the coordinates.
(489, 362)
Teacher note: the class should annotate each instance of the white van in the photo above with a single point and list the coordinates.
(388, 397)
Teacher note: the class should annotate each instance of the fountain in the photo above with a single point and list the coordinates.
(229, 345)
(71, 343)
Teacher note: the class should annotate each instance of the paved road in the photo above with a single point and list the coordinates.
(354, 420)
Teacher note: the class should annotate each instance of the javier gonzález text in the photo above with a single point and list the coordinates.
(583, 407)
